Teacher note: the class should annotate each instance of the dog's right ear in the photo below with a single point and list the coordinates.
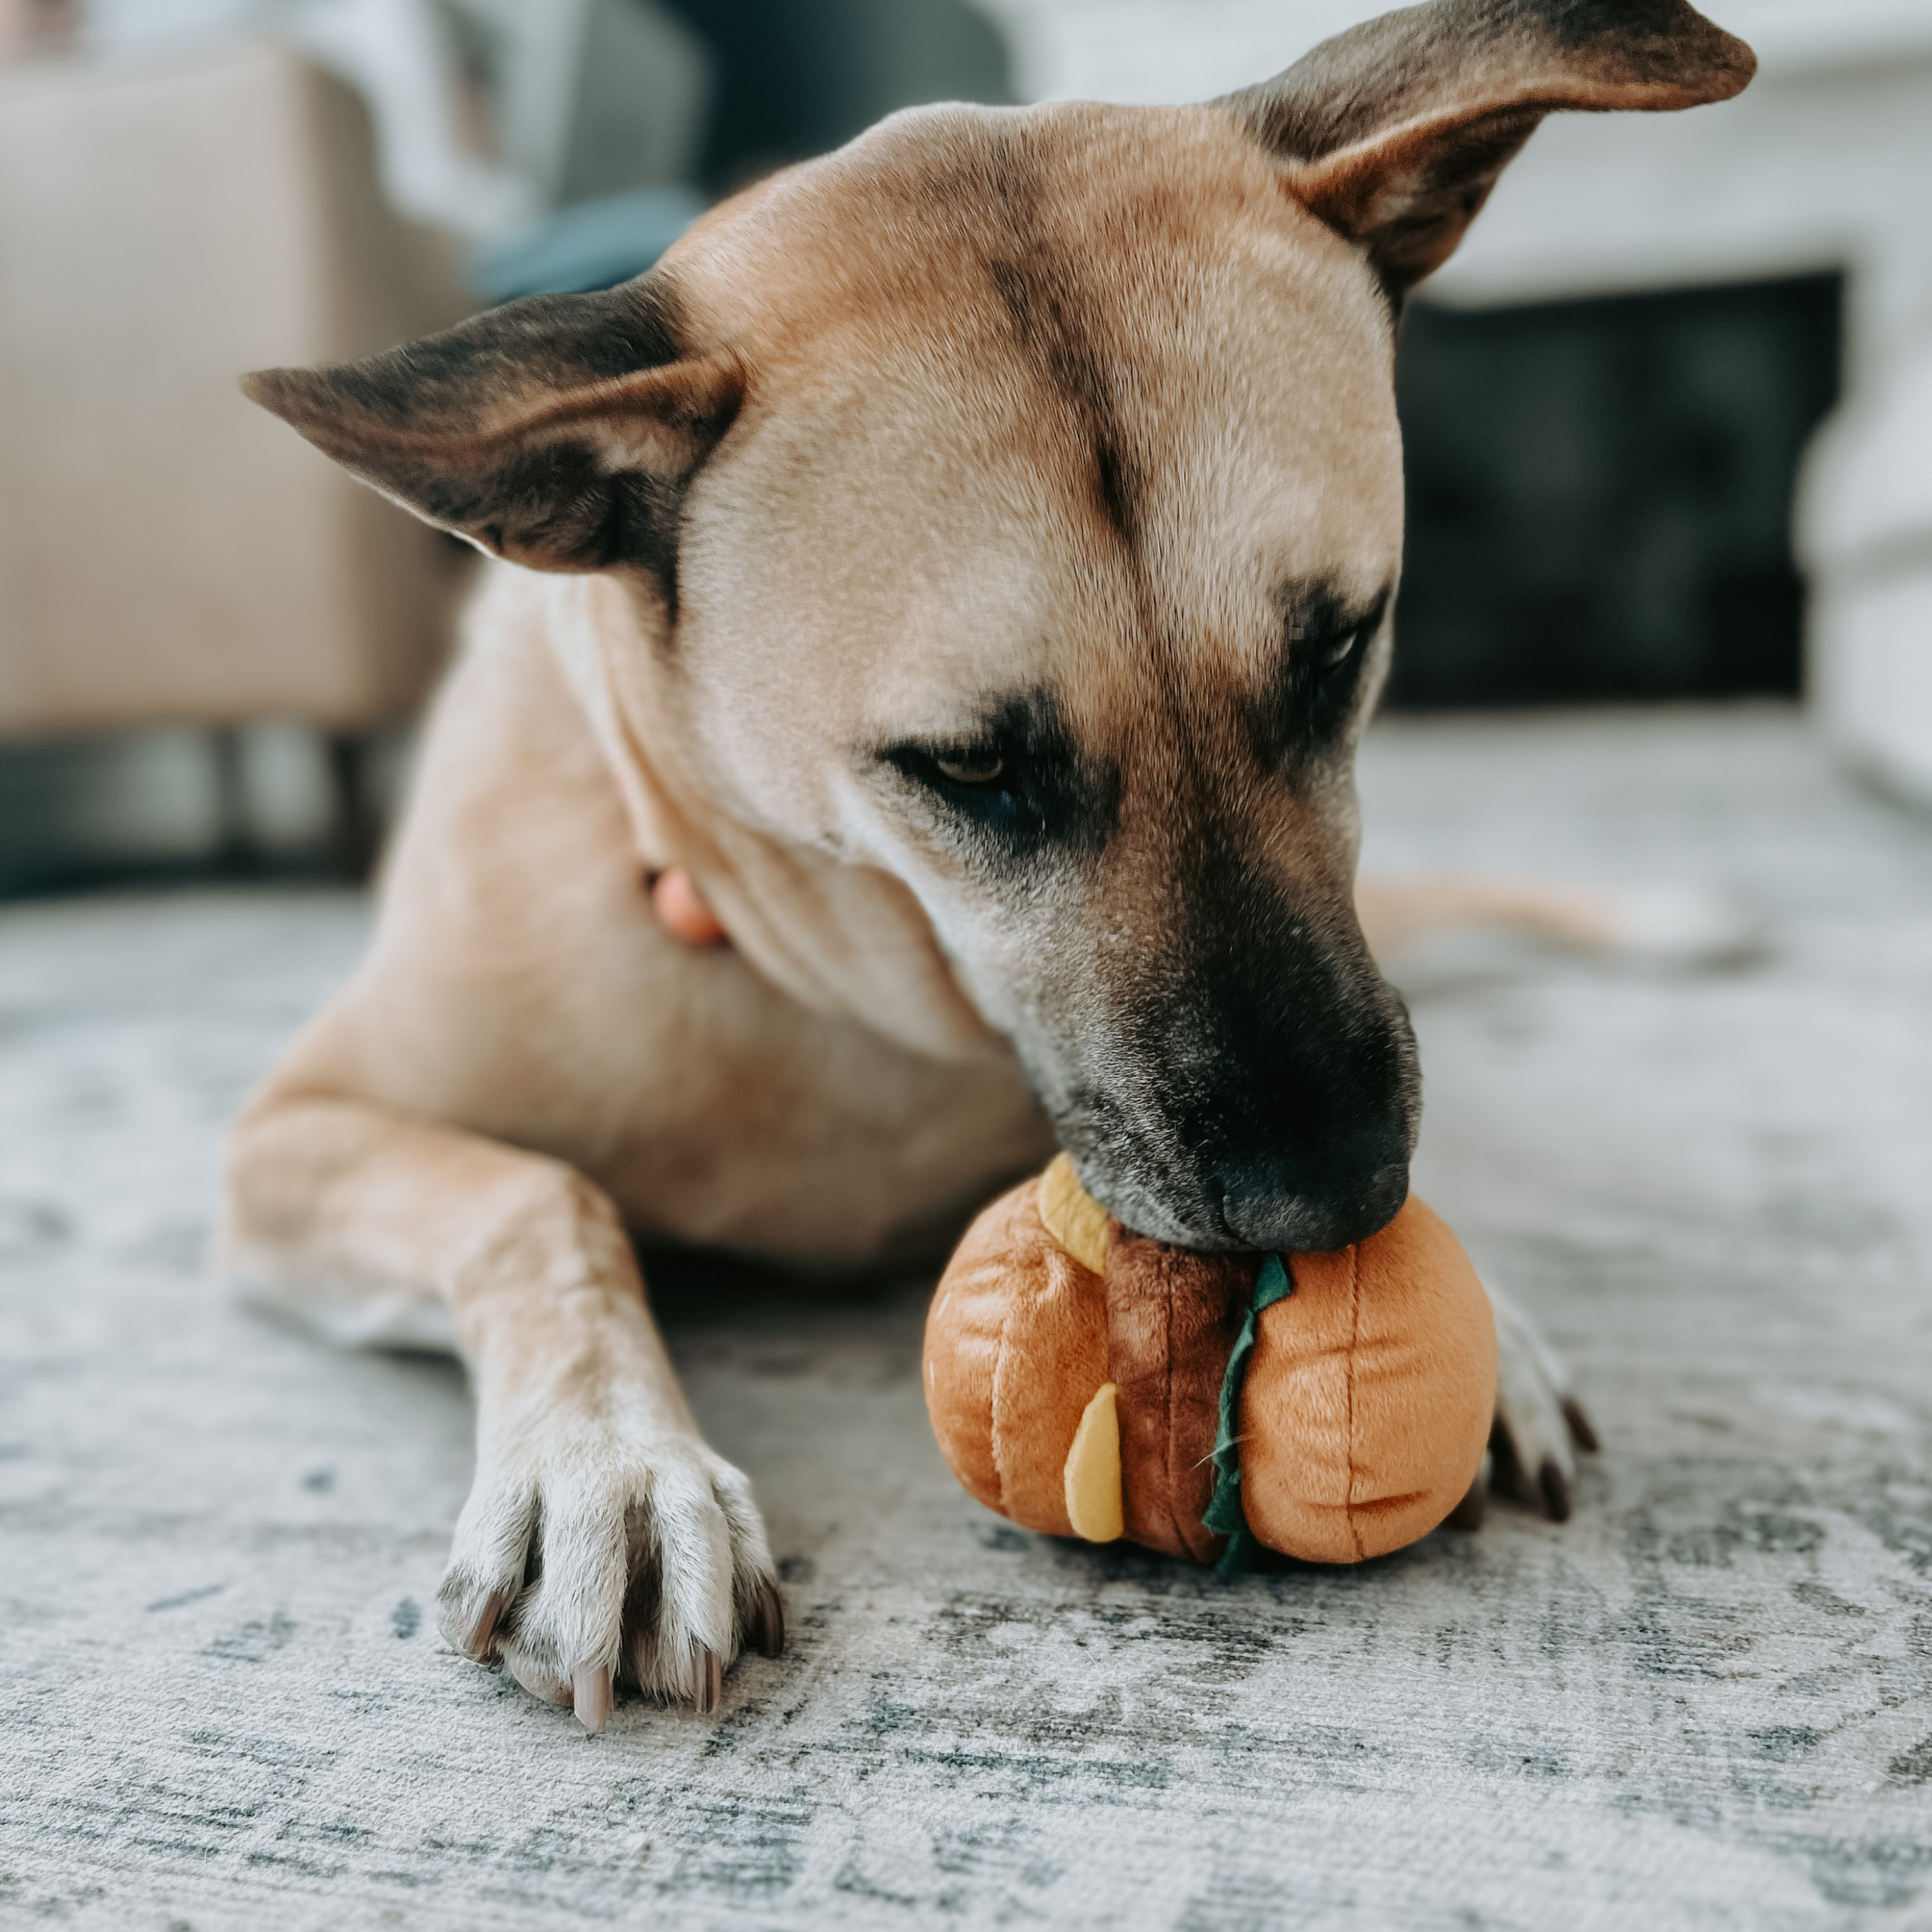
(560, 431)
(1395, 132)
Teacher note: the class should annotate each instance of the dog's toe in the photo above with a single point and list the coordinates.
(702, 1586)
(1539, 1425)
(1468, 1515)
(468, 1615)
(488, 1557)
(537, 1678)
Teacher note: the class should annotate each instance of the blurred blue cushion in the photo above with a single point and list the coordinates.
(595, 245)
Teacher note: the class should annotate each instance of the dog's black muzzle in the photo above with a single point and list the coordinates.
(1275, 1108)
(1304, 1145)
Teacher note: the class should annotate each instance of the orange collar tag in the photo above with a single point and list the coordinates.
(681, 908)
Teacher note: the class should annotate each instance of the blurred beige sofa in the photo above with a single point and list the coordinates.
(167, 551)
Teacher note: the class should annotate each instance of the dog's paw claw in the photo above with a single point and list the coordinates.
(768, 1623)
(707, 1676)
(1582, 1431)
(590, 1695)
(1554, 1488)
(481, 1643)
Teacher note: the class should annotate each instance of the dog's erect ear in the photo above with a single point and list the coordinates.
(1395, 132)
(558, 431)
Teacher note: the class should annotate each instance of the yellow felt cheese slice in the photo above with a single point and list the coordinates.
(1092, 1478)
(1073, 1216)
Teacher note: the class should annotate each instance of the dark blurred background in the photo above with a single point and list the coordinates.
(1600, 494)
(212, 647)
(793, 80)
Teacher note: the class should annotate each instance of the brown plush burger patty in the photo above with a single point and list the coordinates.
(1172, 1321)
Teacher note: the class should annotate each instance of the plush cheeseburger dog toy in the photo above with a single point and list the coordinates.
(1085, 1382)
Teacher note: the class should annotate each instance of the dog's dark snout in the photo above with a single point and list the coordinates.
(1279, 1204)
(1309, 1150)
(1302, 1107)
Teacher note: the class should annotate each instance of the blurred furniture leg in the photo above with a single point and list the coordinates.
(168, 553)
(236, 849)
(355, 830)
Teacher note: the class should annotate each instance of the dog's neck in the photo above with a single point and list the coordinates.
(837, 937)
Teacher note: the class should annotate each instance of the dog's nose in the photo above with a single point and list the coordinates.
(1281, 1201)
(1267, 1092)
(1302, 1143)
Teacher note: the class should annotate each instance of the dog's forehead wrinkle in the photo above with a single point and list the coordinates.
(1110, 388)
(1056, 323)
(1102, 240)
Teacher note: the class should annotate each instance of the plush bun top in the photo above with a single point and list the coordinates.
(1076, 1375)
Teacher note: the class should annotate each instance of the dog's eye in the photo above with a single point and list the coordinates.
(1318, 688)
(1328, 653)
(1336, 652)
(981, 767)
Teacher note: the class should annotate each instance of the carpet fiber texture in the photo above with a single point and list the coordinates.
(1705, 1702)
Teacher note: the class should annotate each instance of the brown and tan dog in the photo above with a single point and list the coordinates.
(967, 563)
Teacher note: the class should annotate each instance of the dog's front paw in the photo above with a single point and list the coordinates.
(591, 1554)
(1540, 1424)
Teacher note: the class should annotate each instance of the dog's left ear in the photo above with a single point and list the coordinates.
(560, 431)
(1395, 132)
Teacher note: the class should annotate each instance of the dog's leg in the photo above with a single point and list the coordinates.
(603, 1540)
(1670, 925)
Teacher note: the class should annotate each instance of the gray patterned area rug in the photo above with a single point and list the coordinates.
(1705, 1702)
